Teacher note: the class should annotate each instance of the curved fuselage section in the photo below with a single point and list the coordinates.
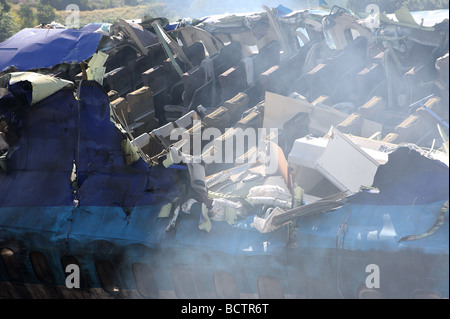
(108, 226)
(133, 257)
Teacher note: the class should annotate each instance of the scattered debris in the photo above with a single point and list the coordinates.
(271, 118)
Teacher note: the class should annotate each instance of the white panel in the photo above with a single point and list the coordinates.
(345, 164)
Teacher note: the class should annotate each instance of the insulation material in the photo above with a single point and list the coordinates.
(225, 210)
(272, 195)
(43, 85)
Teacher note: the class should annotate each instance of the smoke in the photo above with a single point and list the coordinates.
(202, 8)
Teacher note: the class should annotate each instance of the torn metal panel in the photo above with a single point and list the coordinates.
(136, 34)
(322, 205)
(45, 48)
(341, 27)
(422, 179)
(169, 44)
(42, 85)
(266, 225)
(439, 222)
(191, 35)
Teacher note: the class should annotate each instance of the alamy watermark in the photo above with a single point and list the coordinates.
(230, 147)
(73, 277)
(373, 279)
(73, 19)
(373, 21)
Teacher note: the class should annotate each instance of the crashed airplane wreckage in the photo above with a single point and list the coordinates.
(114, 159)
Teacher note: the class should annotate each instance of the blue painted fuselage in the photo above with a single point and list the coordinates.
(108, 225)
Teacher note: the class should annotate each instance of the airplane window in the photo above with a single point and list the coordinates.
(367, 293)
(270, 288)
(184, 283)
(225, 285)
(107, 275)
(145, 282)
(41, 267)
(425, 294)
(11, 263)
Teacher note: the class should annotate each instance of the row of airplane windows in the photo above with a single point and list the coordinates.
(183, 281)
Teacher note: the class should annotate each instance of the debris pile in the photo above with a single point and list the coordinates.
(256, 108)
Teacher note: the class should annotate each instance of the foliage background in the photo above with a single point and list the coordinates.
(18, 14)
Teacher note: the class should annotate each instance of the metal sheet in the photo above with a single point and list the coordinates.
(345, 164)
(44, 48)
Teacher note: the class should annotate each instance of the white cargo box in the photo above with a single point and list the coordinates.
(307, 150)
(338, 159)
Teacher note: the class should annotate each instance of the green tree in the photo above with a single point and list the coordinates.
(45, 14)
(27, 16)
(8, 26)
(5, 5)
